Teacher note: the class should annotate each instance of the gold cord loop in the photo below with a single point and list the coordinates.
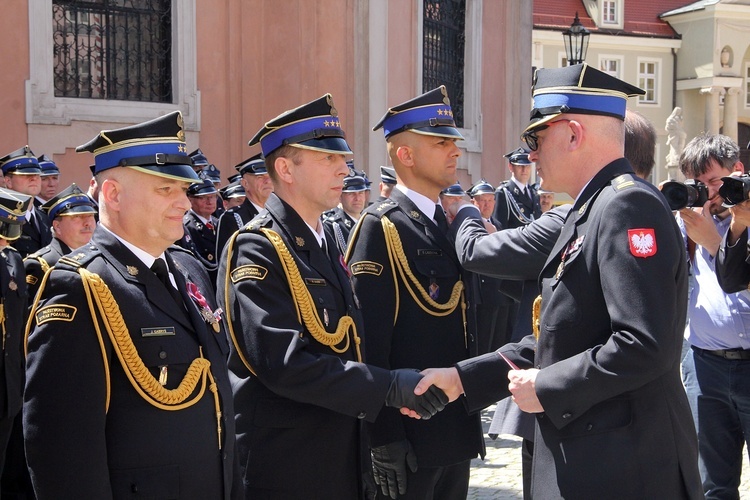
(138, 374)
(303, 301)
(401, 264)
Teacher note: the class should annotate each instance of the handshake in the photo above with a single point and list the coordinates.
(427, 401)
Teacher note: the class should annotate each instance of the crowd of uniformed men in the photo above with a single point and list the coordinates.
(274, 351)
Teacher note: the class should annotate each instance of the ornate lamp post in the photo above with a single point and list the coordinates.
(576, 40)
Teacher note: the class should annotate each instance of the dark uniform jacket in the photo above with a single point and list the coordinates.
(299, 410)
(400, 334)
(14, 301)
(35, 234)
(231, 221)
(513, 208)
(88, 432)
(337, 224)
(733, 264)
(201, 241)
(38, 262)
(616, 421)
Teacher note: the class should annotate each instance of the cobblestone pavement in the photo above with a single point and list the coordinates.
(498, 477)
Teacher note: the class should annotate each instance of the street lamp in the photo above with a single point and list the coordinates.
(576, 40)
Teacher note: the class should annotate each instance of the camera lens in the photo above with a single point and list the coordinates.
(677, 194)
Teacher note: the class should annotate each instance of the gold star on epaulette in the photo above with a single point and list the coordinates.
(440, 111)
(182, 148)
(450, 113)
(336, 123)
(132, 270)
(414, 214)
(300, 241)
(382, 207)
(79, 256)
(327, 123)
(12, 217)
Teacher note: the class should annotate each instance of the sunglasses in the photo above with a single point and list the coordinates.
(532, 139)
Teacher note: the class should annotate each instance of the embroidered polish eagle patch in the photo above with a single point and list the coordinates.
(642, 242)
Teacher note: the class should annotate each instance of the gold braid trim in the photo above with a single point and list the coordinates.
(138, 374)
(397, 257)
(228, 307)
(303, 301)
(44, 264)
(536, 311)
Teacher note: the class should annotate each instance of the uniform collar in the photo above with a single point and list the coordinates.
(423, 203)
(145, 257)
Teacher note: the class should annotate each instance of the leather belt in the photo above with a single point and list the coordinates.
(733, 354)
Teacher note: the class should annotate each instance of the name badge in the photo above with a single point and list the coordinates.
(159, 331)
(429, 252)
(315, 282)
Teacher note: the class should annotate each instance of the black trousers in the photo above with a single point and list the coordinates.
(436, 483)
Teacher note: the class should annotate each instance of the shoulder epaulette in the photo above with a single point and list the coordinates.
(78, 258)
(379, 209)
(39, 253)
(178, 248)
(263, 219)
(329, 215)
(623, 181)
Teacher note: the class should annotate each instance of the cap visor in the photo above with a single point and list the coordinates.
(9, 231)
(336, 145)
(183, 173)
(26, 171)
(538, 123)
(449, 132)
(78, 210)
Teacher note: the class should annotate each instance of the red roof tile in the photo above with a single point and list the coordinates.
(641, 17)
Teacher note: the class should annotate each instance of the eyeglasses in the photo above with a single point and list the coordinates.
(532, 139)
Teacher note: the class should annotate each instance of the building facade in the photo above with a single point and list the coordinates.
(80, 67)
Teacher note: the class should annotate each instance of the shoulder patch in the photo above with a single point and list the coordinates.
(249, 272)
(31, 279)
(366, 267)
(55, 312)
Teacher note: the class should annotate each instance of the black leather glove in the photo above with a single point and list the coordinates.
(389, 464)
(401, 394)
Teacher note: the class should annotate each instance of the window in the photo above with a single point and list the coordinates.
(100, 78)
(443, 42)
(747, 85)
(610, 65)
(115, 49)
(609, 12)
(648, 80)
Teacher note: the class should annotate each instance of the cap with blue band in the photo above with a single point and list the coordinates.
(22, 161)
(13, 208)
(69, 201)
(578, 89)
(313, 126)
(155, 147)
(427, 114)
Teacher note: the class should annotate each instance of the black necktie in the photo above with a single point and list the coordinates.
(159, 268)
(440, 220)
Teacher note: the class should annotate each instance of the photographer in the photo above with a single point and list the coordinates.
(717, 367)
(733, 261)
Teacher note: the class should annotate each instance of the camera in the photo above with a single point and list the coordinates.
(735, 190)
(680, 195)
